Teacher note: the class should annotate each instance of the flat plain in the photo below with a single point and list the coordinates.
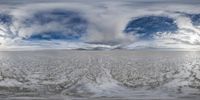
(99, 75)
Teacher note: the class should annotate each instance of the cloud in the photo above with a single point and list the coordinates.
(46, 23)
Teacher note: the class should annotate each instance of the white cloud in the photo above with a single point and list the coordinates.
(107, 20)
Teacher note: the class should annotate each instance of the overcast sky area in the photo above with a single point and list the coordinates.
(39, 1)
(105, 24)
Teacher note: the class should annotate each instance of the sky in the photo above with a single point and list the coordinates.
(99, 24)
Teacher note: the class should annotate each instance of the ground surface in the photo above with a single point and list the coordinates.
(99, 75)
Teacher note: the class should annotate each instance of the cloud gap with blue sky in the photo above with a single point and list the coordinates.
(105, 24)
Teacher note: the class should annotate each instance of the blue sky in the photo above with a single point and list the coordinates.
(126, 24)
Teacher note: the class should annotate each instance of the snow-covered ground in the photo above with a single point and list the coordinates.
(99, 75)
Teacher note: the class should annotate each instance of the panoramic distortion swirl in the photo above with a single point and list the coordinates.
(145, 27)
(69, 25)
(80, 25)
(195, 19)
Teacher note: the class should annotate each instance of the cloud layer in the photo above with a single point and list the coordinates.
(101, 24)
